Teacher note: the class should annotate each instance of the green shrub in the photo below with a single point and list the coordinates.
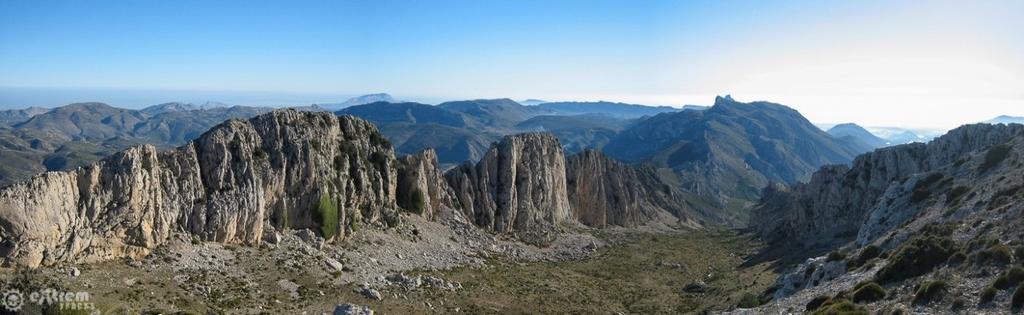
(1018, 253)
(958, 304)
(994, 156)
(932, 291)
(842, 307)
(1018, 297)
(868, 253)
(996, 254)
(326, 216)
(957, 258)
(955, 194)
(917, 257)
(417, 201)
(749, 300)
(868, 292)
(1010, 278)
(818, 302)
(987, 295)
(835, 256)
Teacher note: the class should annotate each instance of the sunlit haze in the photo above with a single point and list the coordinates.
(882, 63)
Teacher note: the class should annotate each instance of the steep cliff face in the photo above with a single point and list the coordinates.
(282, 169)
(422, 188)
(519, 185)
(876, 193)
(603, 191)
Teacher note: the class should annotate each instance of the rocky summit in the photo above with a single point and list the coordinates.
(233, 184)
(519, 185)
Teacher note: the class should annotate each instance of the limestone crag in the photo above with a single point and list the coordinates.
(839, 202)
(603, 192)
(422, 187)
(519, 185)
(285, 168)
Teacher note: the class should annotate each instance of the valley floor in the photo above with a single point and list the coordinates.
(426, 267)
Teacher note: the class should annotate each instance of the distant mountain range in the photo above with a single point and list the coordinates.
(1005, 119)
(181, 107)
(532, 102)
(37, 140)
(359, 100)
(618, 110)
(856, 134)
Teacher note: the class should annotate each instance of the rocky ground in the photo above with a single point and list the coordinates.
(423, 267)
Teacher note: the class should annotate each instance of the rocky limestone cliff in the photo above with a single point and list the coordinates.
(519, 185)
(422, 187)
(603, 192)
(839, 202)
(282, 169)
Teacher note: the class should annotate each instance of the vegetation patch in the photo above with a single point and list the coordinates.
(919, 256)
(929, 292)
(817, 302)
(835, 256)
(987, 295)
(1009, 279)
(1017, 301)
(994, 156)
(843, 307)
(867, 253)
(868, 292)
(954, 194)
(922, 188)
(326, 216)
(995, 254)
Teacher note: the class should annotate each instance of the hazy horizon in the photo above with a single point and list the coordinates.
(875, 63)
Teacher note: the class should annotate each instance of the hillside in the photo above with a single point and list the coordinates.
(618, 110)
(732, 150)
(78, 134)
(851, 132)
(943, 216)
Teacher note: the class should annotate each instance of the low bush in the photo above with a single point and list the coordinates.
(995, 254)
(987, 295)
(868, 292)
(326, 216)
(955, 194)
(842, 307)
(917, 257)
(957, 258)
(994, 156)
(1017, 301)
(749, 300)
(1009, 279)
(817, 302)
(929, 292)
(835, 256)
(868, 253)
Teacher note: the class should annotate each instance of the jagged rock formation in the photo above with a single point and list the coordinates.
(422, 187)
(283, 169)
(519, 185)
(875, 194)
(603, 192)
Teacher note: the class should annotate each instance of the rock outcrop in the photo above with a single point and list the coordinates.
(282, 169)
(603, 191)
(422, 188)
(875, 194)
(519, 185)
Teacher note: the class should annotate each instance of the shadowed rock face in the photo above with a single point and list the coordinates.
(227, 186)
(605, 192)
(863, 201)
(422, 188)
(519, 185)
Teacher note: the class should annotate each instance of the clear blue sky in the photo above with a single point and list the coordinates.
(832, 60)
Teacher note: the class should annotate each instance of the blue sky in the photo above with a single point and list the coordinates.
(916, 63)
